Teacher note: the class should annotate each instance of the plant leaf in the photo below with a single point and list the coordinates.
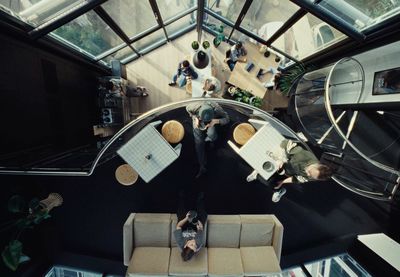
(34, 204)
(11, 254)
(16, 204)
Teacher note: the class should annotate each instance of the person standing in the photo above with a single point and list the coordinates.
(205, 116)
(184, 74)
(297, 166)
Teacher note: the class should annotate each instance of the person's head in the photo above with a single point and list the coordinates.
(109, 85)
(208, 86)
(239, 45)
(206, 113)
(189, 250)
(185, 63)
(319, 171)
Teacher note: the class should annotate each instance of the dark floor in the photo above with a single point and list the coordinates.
(314, 214)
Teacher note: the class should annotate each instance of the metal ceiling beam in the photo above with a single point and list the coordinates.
(200, 19)
(287, 25)
(241, 16)
(114, 26)
(50, 26)
(330, 18)
(158, 16)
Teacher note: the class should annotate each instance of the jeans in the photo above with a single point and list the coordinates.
(200, 137)
(181, 79)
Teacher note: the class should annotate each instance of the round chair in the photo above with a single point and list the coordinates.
(173, 131)
(126, 175)
(243, 132)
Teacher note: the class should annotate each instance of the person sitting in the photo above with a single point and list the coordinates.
(211, 85)
(116, 89)
(296, 165)
(235, 55)
(184, 74)
(189, 233)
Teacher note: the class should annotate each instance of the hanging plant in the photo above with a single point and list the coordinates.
(195, 45)
(206, 44)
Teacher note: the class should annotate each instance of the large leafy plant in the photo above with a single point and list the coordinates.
(28, 215)
(288, 77)
(245, 97)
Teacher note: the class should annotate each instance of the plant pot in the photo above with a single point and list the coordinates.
(267, 54)
(206, 44)
(195, 45)
(277, 59)
(216, 42)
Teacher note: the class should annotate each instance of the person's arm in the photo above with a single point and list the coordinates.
(180, 241)
(179, 71)
(223, 117)
(182, 222)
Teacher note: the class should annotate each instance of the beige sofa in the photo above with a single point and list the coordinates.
(236, 245)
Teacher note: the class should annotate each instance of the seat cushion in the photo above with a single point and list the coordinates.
(259, 260)
(152, 230)
(224, 262)
(223, 231)
(149, 261)
(196, 266)
(257, 230)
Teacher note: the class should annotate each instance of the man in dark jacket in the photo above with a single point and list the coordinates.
(205, 116)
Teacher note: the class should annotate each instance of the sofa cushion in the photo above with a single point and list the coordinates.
(149, 261)
(196, 266)
(223, 231)
(152, 230)
(257, 230)
(259, 260)
(224, 262)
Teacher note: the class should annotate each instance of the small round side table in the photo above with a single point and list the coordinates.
(126, 175)
(173, 131)
(243, 132)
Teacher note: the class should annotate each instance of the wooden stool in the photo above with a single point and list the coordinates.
(126, 175)
(243, 132)
(173, 131)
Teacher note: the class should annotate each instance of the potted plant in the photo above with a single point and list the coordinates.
(206, 44)
(246, 97)
(195, 45)
(220, 37)
(288, 77)
(30, 214)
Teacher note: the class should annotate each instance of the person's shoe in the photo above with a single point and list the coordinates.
(278, 194)
(172, 84)
(201, 172)
(252, 176)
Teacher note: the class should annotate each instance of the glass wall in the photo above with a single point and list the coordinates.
(37, 12)
(153, 38)
(120, 55)
(169, 9)
(307, 36)
(133, 17)
(230, 9)
(181, 24)
(90, 33)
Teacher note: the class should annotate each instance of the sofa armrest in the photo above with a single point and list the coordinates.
(128, 239)
(277, 238)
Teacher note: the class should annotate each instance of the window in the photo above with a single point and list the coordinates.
(37, 12)
(363, 14)
(264, 13)
(217, 26)
(181, 24)
(170, 8)
(133, 17)
(120, 55)
(230, 9)
(89, 33)
(152, 39)
(307, 36)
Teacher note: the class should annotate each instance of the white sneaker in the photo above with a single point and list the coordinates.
(252, 176)
(277, 195)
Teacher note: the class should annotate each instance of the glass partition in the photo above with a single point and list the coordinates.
(264, 17)
(307, 36)
(90, 33)
(215, 25)
(133, 17)
(169, 9)
(39, 12)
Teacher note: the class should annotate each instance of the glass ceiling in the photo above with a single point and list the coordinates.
(127, 29)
